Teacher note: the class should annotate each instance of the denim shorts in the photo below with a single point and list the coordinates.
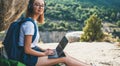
(29, 60)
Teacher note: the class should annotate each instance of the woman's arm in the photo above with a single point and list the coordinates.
(42, 49)
(29, 50)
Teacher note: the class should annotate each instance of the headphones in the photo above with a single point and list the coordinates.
(30, 6)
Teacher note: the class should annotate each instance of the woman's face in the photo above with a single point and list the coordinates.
(38, 7)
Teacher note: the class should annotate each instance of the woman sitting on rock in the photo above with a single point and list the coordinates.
(32, 55)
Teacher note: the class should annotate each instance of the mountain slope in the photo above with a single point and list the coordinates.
(106, 3)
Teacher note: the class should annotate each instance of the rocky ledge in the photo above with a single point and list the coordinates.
(10, 10)
(95, 53)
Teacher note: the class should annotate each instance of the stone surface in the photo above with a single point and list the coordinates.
(1, 44)
(74, 36)
(96, 53)
(10, 10)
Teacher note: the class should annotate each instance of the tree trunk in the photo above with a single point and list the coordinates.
(10, 10)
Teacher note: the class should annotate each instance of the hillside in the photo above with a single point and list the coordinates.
(76, 12)
(106, 3)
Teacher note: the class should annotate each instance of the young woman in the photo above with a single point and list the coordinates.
(38, 57)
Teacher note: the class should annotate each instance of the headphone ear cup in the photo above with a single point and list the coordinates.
(30, 8)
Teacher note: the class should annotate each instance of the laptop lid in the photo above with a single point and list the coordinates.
(61, 45)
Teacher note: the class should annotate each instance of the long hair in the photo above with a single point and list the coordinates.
(29, 12)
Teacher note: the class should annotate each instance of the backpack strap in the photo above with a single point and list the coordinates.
(35, 26)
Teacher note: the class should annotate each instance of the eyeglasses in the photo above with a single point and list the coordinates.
(40, 5)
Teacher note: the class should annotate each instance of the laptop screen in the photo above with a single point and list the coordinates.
(61, 45)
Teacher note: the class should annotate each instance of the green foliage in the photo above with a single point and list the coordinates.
(92, 29)
(78, 11)
(118, 23)
(60, 26)
(9, 62)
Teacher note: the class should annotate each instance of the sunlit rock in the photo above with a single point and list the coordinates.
(11, 10)
(74, 36)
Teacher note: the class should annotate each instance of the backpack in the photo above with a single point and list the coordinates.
(12, 38)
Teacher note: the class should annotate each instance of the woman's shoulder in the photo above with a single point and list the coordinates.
(27, 23)
(28, 28)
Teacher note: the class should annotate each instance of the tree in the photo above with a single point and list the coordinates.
(92, 29)
(118, 23)
(113, 16)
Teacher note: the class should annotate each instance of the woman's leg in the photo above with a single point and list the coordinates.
(74, 62)
(69, 61)
(44, 61)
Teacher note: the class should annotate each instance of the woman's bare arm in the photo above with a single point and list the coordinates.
(42, 49)
(29, 50)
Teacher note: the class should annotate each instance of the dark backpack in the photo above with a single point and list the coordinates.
(12, 38)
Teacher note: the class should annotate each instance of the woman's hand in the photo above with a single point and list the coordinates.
(49, 52)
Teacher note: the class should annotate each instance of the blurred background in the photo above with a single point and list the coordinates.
(80, 20)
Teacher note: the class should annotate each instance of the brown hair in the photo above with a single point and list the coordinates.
(29, 12)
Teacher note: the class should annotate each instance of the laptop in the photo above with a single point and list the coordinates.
(58, 52)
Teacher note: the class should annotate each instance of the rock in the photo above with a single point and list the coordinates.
(10, 10)
(74, 36)
(95, 53)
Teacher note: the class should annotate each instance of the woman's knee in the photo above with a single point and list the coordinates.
(66, 59)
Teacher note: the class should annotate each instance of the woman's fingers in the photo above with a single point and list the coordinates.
(51, 52)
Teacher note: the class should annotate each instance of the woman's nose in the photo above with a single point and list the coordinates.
(40, 6)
